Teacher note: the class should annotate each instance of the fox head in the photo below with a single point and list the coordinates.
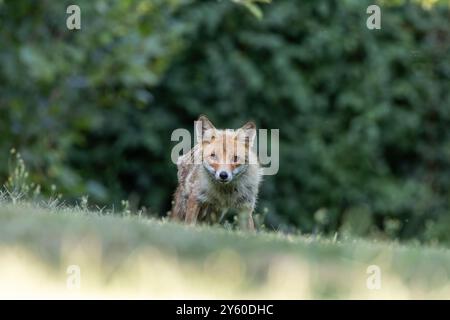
(226, 154)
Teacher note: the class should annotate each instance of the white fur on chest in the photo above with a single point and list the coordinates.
(237, 194)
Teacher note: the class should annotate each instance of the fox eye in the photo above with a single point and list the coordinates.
(213, 155)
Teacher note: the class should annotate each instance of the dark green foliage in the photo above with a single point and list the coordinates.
(363, 115)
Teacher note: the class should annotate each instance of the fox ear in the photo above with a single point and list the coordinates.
(247, 132)
(202, 125)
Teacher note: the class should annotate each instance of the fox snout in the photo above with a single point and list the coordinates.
(220, 173)
(223, 175)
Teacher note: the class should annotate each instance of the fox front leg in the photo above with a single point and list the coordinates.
(250, 223)
(192, 210)
(246, 220)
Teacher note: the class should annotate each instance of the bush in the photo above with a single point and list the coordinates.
(363, 115)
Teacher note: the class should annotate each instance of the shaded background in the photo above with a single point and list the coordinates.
(363, 114)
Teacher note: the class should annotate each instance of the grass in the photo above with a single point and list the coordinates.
(133, 257)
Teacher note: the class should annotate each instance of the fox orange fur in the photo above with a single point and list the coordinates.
(220, 173)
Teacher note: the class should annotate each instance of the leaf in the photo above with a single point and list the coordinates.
(254, 9)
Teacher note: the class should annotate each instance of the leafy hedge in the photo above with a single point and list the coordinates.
(363, 114)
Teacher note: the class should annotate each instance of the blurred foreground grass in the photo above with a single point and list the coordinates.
(132, 257)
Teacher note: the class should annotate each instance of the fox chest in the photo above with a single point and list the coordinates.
(226, 198)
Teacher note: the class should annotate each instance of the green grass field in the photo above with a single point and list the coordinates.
(132, 257)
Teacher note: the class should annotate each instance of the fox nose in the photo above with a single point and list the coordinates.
(223, 175)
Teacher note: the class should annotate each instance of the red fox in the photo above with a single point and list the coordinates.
(219, 173)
